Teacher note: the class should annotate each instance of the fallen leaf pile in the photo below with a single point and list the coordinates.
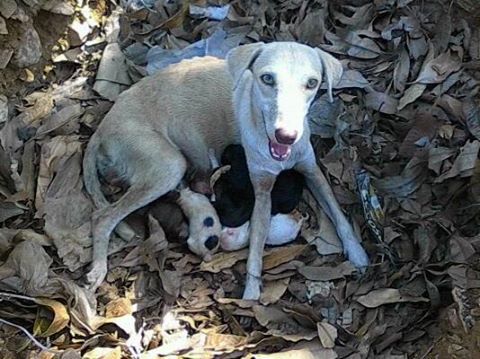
(399, 144)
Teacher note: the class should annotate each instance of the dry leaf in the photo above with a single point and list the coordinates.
(3, 109)
(327, 334)
(423, 131)
(38, 105)
(223, 260)
(401, 71)
(471, 112)
(426, 243)
(417, 46)
(352, 78)
(303, 350)
(278, 256)
(409, 24)
(60, 318)
(272, 258)
(63, 122)
(311, 30)
(438, 69)
(156, 242)
(461, 250)
(280, 324)
(474, 48)
(82, 308)
(464, 163)
(54, 154)
(362, 47)
(273, 291)
(381, 102)
(118, 307)
(31, 265)
(103, 353)
(327, 273)
(220, 342)
(9, 210)
(411, 94)
(383, 296)
(436, 157)
(408, 182)
(171, 282)
(67, 225)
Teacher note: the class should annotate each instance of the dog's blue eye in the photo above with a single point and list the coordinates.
(312, 83)
(208, 222)
(268, 79)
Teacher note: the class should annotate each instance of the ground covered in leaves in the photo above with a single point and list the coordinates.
(400, 146)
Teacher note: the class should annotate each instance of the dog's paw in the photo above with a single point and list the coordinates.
(252, 288)
(355, 253)
(96, 275)
(352, 247)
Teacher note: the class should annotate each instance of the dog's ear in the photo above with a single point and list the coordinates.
(240, 58)
(332, 71)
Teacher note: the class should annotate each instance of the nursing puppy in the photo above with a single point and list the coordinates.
(187, 215)
(258, 97)
(234, 195)
(234, 200)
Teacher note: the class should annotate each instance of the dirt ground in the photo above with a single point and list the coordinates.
(407, 113)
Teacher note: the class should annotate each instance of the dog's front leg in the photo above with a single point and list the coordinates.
(259, 227)
(319, 186)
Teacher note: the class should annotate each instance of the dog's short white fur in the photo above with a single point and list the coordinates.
(258, 97)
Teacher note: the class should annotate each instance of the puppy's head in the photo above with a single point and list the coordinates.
(203, 224)
(204, 236)
(283, 78)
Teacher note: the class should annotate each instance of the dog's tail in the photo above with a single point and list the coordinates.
(90, 174)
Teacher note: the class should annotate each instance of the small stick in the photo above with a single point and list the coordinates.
(30, 336)
(16, 296)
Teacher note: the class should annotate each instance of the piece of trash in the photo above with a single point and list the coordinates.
(218, 45)
(211, 12)
(112, 76)
(372, 207)
(136, 5)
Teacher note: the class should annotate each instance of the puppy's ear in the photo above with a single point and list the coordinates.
(240, 58)
(332, 71)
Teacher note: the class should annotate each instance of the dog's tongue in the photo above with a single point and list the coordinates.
(278, 151)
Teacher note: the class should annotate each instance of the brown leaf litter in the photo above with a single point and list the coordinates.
(400, 146)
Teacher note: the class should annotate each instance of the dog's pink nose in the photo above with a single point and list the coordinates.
(285, 137)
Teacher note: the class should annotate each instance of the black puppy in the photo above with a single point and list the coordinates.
(234, 191)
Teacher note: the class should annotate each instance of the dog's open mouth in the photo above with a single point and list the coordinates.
(279, 152)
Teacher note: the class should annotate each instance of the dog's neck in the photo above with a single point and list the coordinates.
(254, 136)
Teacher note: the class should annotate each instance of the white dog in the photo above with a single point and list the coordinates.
(258, 97)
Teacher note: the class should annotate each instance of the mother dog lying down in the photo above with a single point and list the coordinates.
(258, 97)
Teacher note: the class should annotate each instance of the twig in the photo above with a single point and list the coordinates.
(16, 296)
(428, 351)
(30, 336)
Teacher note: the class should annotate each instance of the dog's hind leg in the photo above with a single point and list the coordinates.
(156, 168)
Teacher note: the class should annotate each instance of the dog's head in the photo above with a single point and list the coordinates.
(284, 78)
